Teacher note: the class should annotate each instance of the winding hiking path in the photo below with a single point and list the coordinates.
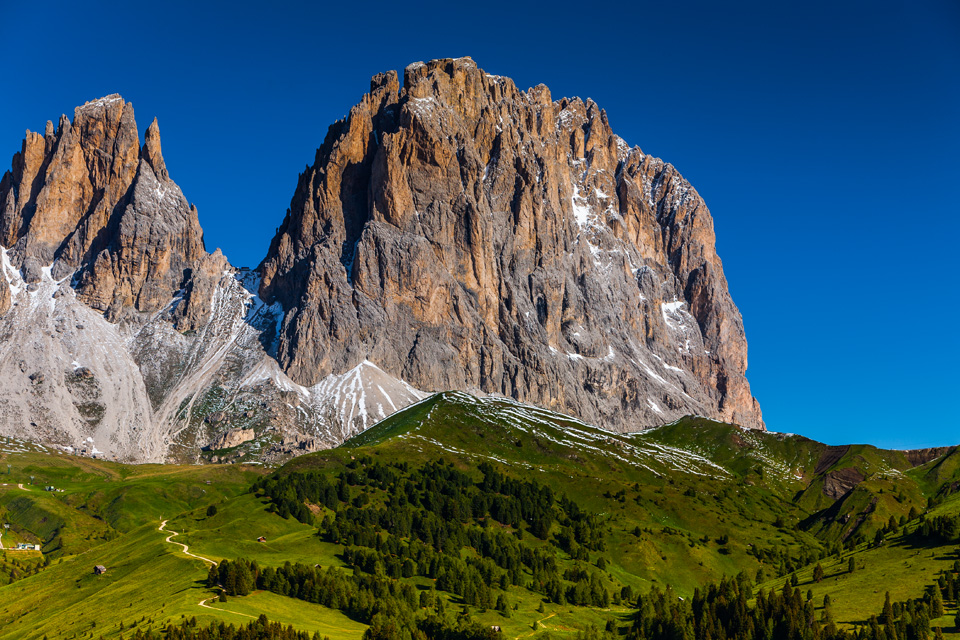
(185, 547)
(203, 603)
(539, 624)
(186, 550)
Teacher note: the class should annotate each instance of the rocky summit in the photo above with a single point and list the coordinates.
(463, 234)
(454, 232)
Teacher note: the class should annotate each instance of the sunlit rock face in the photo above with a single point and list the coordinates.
(453, 233)
(463, 234)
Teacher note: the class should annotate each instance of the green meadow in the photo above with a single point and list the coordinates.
(679, 506)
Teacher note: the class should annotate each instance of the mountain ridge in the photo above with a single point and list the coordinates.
(461, 232)
(453, 233)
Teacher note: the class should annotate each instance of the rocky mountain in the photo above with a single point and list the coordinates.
(464, 234)
(87, 199)
(120, 335)
(453, 233)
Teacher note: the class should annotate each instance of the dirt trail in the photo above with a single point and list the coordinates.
(203, 603)
(539, 626)
(185, 547)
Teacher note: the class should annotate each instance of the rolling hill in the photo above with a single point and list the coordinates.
(586, 511)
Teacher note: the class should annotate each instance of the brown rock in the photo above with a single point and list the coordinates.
(152, 152)
(216, 417)
(5, 296)
(462, 234)
(839, 483)
(917, 457)
(232, 438)
(83, 373)
(89, 196)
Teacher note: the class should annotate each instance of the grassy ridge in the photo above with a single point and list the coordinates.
(680, 505)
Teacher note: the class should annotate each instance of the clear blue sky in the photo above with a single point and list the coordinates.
(823, 136)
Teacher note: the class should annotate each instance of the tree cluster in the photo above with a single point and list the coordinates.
(259, 629)
(939, 528)
(721, 611)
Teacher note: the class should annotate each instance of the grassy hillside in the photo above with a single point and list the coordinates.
(677, 506)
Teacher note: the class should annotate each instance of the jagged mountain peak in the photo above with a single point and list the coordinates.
(87, 199)
(453, 233)
(152, 152)
(463, 234)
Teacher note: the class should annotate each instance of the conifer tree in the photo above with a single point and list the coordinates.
(887, 616)
(936, 604)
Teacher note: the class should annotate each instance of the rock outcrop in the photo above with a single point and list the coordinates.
(232, 438)
(838, 483)
(86, 199)
(463, 234)
(5, 298)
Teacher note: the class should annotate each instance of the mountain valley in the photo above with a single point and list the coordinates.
(487, 382)
(679, 506)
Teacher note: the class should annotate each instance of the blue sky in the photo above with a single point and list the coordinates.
(822, 135)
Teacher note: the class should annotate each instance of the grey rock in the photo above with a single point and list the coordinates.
(453, 233)
(462, 234)
(32, 270)
(232, 438)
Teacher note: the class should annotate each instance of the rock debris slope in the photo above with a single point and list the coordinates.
(463, 234)
(120, 334)
(453, 233)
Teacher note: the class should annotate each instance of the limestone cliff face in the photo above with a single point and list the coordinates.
(85, 198)
(453, 233)
(120, 336)
(462, 234)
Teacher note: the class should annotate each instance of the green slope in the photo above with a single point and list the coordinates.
(680, 505)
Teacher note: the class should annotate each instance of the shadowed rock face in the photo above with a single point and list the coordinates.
(462, 234)
(86, 198)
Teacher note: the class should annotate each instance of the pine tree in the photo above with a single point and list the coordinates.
(502, 605)
(851, 565)
(213, 576)
(936, 606)
(818, 573)
(887, 616)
